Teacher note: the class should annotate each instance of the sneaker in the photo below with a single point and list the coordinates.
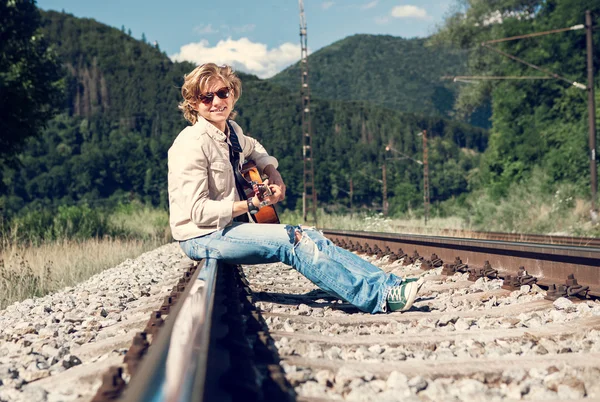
(402, 297)
(420, 281)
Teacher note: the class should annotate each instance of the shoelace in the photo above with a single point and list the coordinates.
(395, 293)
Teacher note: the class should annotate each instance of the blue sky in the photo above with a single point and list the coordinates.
(259, 37)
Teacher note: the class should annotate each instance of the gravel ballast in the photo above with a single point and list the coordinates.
(445, 348)
(56, 348)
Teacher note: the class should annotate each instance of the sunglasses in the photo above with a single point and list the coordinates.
(208, 97)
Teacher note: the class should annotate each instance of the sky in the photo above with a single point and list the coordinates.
(260, 37)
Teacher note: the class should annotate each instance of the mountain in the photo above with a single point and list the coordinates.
(397, 73)
(110, 142)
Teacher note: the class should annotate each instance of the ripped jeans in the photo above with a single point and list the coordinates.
(333, 269)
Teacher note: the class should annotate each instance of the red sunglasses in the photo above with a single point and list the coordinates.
(208, 97)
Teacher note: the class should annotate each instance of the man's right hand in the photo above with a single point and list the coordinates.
(275, 197)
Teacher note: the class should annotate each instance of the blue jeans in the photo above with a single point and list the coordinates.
(333, 269)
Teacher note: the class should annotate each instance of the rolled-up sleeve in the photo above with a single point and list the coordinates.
(189, 193)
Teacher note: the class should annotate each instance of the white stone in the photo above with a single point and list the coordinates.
(417, 383)
(376, 349)
(447, 319)
(562, 303)
(462, 324)
(397, 380)
(325, 377)
(566, 392)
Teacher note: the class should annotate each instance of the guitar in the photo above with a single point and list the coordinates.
(256, 187)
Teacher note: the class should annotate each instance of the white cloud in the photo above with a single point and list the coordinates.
(242, 54)
(410, 12)
(205, 29)
(369, 5)
(496, 17)
(327, 4)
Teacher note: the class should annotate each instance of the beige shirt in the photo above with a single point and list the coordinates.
(201, 179)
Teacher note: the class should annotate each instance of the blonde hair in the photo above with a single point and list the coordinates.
(196, 83)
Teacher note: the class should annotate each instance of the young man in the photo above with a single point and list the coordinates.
(205, 202)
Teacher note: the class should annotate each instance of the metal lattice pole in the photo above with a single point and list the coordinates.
(425, 178)
(309, 196)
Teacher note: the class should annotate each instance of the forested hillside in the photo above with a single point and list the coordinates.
(536, 123)
(120, 116)
(396, 73)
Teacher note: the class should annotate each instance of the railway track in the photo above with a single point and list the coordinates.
(512, 237)
(266, 333)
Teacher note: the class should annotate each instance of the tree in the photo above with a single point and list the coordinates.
(533, 121)
(30, 77)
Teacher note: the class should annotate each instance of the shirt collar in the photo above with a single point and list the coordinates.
(211, 130)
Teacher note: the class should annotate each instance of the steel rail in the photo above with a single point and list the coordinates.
(514, 237)
(550, 263)
(175, 367)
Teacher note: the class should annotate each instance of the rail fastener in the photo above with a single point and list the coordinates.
(456, 266)
(433, 262)
(112, 386)
(136, 352)
(166, 306)
(571, 290)
(156, 321)
(485, 272)
(515, 282)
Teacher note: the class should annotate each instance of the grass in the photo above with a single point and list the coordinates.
(30, 271)
(36, 268)
(532, 207)
(376, 222)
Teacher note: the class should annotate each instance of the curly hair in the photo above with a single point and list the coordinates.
(196, 83)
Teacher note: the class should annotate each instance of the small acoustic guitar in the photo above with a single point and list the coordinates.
(256, 188)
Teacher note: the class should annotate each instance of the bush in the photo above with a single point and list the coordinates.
(67, 222)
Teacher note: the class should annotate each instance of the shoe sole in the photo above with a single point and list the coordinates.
(411, 298)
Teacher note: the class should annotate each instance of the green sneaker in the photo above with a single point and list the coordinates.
(419, 281)
(402, 297)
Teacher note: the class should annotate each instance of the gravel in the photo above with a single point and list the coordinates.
(448, 296)
(45, 342)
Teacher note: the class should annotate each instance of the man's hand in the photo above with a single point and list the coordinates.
(275, 181)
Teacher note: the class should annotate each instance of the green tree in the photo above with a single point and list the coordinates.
(535, 122)
(30, 76)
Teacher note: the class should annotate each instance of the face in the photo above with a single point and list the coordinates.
(218, 110)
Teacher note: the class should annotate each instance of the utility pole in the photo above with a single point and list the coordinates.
(425, 178)
(591, 111)
(351, 193)
(385, 201)
(309, 196)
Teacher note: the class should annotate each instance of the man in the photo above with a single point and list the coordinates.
(207, 206)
